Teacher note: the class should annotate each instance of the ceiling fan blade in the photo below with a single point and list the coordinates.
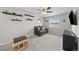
(48, 8)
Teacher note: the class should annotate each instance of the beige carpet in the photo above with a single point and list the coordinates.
(46, 42)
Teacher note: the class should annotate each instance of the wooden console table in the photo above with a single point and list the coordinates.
(20, 45)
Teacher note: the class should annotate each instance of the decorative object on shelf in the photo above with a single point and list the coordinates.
(29, 15)
(29, 19)
(9, 13)
(16, 20)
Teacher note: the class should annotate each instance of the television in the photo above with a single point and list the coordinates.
(19, 39)
(72, 18)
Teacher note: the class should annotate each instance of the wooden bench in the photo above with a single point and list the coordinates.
(21, 45)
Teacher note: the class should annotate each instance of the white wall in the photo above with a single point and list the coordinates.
(63, 25)
(75, 28)
(10, 29)
(61, 11)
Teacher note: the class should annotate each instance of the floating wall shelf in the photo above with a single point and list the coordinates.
(28, 15)
(16, 20)
(9, 13)
(29, 19)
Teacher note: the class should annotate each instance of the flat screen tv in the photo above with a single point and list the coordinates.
(72, 17)
(19, 39)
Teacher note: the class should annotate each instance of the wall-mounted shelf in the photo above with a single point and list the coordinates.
(16, 20)
(13, 13)
(28, 15)
(29, 19)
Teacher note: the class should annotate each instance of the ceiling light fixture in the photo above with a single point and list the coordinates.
(44, 13)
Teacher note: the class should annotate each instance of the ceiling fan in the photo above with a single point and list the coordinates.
(45, 10)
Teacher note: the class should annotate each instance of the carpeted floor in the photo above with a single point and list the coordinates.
(46, 42)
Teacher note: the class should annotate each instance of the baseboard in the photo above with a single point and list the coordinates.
(5, 43)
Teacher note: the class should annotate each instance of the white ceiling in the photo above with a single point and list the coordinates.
(56, 10)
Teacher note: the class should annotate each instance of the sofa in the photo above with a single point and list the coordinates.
(40, 30)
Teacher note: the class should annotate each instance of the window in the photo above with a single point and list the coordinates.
(54, 22)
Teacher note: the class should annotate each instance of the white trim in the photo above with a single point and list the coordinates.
(4, 43)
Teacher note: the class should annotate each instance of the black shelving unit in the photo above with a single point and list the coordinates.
(70, 41)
